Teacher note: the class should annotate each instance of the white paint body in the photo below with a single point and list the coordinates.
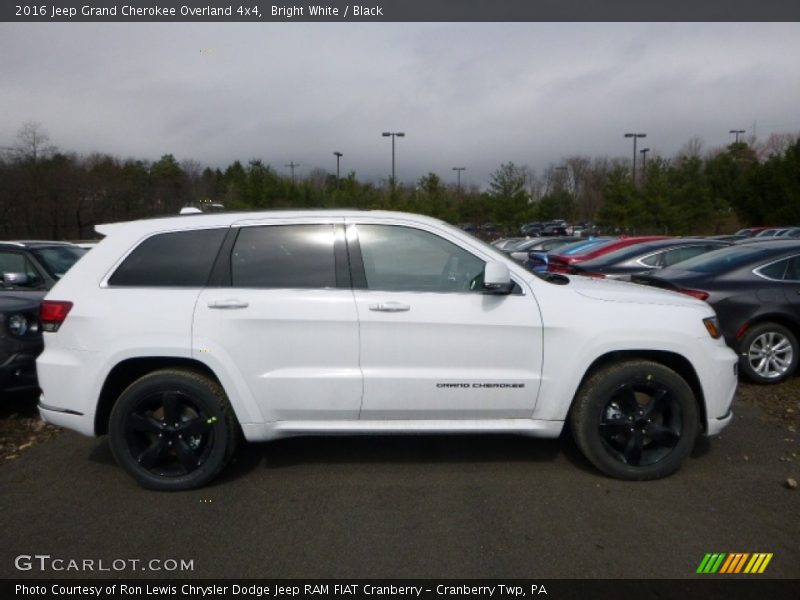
(324, 362)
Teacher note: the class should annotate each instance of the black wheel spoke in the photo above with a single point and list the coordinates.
(186, 456)
(196, 426)
(614, 427)
(657, 405)
(663, 435)
(144, 423)
(172, 411)
(627, 399)
(633, 449)
(153, 454)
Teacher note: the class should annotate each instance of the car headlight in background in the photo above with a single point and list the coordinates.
(19, 325)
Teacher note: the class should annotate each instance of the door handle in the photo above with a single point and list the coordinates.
(228, 304)
(389, 307)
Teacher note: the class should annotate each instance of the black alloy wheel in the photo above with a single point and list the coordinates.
(173, 430)
(635, 420)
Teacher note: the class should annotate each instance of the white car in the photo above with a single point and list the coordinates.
(177, 336)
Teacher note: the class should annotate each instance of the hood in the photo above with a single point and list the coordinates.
(610, 290)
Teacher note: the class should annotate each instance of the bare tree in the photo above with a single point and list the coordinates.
(776, 144)
(33, 143)
(691, 149)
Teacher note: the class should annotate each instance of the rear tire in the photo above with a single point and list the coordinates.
(173, 429)
(768, 353)
(635, 420)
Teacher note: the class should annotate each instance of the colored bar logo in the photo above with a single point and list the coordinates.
(733, 563)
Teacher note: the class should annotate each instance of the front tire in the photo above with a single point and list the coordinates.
(173, 429)
(635, 420)
(768, 353)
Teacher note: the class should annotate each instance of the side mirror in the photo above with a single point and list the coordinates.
(497, 279)
(18, 279)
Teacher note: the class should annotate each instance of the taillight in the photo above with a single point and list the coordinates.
(52, 313)
(699, 294)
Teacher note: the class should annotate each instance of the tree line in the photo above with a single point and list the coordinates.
(46, 193)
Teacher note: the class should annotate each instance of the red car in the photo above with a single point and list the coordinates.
(559, 263)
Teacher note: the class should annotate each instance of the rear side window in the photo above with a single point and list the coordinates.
(284, 256)
(178, 259)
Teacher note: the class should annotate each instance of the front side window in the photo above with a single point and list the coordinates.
(177, 259)
(284, 256)
(400, 258)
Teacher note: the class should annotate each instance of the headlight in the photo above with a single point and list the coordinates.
(18, 325)
(712, 326)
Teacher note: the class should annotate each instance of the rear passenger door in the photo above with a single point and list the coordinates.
(280, 315)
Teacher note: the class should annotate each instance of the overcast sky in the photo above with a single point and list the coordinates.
(473, 95)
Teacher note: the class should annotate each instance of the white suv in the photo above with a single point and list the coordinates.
(177, 336)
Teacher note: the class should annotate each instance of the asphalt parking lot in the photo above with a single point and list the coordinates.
(399, 507)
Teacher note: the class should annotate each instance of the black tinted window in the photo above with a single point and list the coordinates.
(284, 256)
(776, 270)
(180, 259)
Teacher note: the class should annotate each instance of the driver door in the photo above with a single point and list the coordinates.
(433, 346)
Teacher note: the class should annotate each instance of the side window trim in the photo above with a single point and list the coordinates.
(358, 274)
(221, 271)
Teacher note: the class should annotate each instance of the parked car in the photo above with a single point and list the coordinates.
(174, 336)
(772, 232)
(503, 243)
(20, 342)
(754, 287)
(561, 261)
(538, 261)
(33, 267)
(531, 229)
(27, 271)
(791, 232)
(521, 251)
(752, 231)
(645, 257)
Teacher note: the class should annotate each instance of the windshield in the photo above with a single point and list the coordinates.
(58, 259)
(724, 259)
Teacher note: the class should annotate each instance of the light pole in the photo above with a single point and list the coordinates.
(736, 132)
(291, 166)
(644, 152)
(635, 136)
(393, 135)
(338, 155)
(458, 176)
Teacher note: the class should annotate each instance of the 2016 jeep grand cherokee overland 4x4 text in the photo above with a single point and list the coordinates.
(177, 336)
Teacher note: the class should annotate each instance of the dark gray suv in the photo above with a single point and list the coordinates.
(20, 342)
(27, 271)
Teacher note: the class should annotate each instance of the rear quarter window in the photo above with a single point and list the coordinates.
(176, 259)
